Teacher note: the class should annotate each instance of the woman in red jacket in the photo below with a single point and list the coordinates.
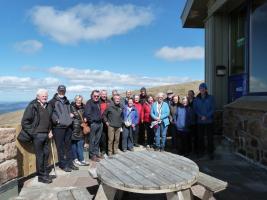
(147, 121)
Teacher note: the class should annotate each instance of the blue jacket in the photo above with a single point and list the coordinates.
(183, 118)
(165, 112)
(133, 115)
(204, 107)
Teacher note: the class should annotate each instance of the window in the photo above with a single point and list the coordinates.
(237, 42)
(258, 47)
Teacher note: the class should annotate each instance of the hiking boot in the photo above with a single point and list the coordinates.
(73, 167)
(52, 176)
(66, 169)
(44, 179)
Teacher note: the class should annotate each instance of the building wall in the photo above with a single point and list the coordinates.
(245, 122)
(216, 53)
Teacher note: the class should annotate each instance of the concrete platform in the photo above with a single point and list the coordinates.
(246, 181)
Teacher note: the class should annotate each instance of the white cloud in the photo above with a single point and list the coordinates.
(14, 83)
(88, 21)
(257, 85)
(28, 46)
(180, 53)
(86, 79)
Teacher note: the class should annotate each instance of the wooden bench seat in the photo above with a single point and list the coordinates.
(207, 185)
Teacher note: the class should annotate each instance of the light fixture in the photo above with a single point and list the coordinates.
(220, 70)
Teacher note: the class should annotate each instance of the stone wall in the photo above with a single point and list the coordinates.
(245, 122)
(8, 155)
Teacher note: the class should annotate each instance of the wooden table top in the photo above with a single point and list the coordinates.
(148, 172)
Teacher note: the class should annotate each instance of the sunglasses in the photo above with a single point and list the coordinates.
(96, 95)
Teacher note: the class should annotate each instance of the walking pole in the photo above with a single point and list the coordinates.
(53, 156)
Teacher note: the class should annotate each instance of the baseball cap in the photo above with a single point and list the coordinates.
(203, 85)
(61, 88)
(169, 91)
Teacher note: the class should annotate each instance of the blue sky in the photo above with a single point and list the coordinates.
(119, 44)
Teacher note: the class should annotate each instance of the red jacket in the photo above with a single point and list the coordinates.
(104, 105)
(139, 109)
(146, 112)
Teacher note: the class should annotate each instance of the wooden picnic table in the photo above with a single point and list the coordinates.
(147, 172)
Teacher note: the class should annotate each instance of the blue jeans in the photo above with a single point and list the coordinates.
(77, 149)
(160, 130)
(127, 138)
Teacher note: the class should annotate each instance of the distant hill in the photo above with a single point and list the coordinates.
(6, 107)
(180, 89)
(13, 119)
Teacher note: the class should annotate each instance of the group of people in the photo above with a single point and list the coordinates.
(116, 123)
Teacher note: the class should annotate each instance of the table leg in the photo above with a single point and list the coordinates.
(105, 192)
(180, 195)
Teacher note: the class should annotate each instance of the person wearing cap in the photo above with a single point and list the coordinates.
(204, 109)
(62, 129)
(168, 100)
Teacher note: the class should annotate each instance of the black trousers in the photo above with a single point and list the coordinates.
(94, 139)
(136, 134)
(205, 130)
(62, 138)
(149, 133)
(183, 142)
(40, 142)
(194, 137)
(103, 140)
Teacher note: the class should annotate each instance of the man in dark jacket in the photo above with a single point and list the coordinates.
(113, 119)
(92, 113)
(62, 120)
(204, 109)
(36, 122)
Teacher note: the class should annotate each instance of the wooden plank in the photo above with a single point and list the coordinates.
(177, 160)
(158, 173)
(138, 177)
(179, 165)
(107, 177)
(165, 170)
(182, 178)
(145, 172)
(212, 183)
(127, 180)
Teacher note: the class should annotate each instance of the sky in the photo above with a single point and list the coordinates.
(92, 44)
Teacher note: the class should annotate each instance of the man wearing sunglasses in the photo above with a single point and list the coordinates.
(92, 113)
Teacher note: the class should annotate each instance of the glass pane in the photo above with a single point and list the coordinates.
(237, 34)
(258, 57)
